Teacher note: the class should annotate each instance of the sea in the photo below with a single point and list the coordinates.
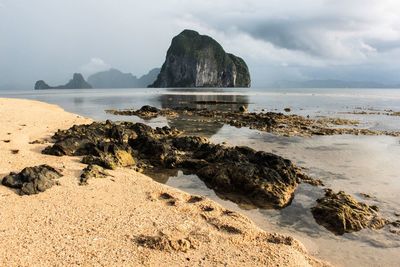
(354, 164)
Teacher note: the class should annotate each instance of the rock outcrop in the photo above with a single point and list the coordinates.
(195, 60)
(32, 180)
(341, 213)
(77, 82)
(263, 179)
(114, 78)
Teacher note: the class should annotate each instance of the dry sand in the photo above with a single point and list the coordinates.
(124, 220)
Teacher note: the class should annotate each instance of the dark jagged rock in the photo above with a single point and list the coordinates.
(77, 82)
(265, 179)
(146, 112)
(114, 78)
(90, 141)
(72, 146)
(268, 180)
(195, 60)
(92, 171)
(341, 213)
(32, 180)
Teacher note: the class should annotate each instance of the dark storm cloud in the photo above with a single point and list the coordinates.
(305, 35)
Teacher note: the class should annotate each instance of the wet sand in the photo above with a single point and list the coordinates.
(125, 219)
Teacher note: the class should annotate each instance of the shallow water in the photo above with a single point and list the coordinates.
(355, 164)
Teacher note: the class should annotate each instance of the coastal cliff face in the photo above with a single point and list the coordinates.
(195, 60)
(77, 82)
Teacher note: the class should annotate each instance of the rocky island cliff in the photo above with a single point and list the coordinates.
(77, 82)
(195, 60)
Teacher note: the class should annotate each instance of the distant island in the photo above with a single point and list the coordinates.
(77, 82)
(111, 78)
(331, 83)
(195, 60)
(114, 78)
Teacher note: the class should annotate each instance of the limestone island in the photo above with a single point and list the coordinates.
(195, 60)
(77, 82)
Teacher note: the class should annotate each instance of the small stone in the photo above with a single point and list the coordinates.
(243, 109)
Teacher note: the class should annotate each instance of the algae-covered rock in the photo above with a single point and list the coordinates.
(341, 213)
(264, 179)
(32, 180)
(92, 171)
(195, 60)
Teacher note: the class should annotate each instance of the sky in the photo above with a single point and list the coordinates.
(293, 40)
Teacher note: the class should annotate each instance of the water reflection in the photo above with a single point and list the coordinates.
(194, 125)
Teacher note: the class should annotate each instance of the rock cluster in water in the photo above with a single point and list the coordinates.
(277, 123)
(77, 82)
(32, 180)
(265, 179)
(341, 213)
(195, 60)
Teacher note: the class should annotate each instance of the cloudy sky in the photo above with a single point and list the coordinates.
(357, 40)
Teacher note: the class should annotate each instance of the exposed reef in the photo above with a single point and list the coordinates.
(267, 180)
(276, 123)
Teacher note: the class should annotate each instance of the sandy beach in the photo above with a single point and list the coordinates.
(126, 219)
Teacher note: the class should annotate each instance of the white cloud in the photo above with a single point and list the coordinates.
(94, 65)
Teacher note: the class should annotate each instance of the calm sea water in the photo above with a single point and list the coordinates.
(355, 164)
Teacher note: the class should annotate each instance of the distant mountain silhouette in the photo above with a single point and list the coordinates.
(77, 82)
(114, 78)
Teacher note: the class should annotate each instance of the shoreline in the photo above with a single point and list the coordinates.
(125, 219)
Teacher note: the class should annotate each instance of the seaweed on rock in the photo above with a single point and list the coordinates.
(267, 180)
(341, 213)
